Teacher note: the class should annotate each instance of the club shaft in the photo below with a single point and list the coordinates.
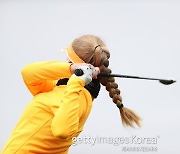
(106, 74)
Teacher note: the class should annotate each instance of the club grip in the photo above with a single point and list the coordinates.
(78, 72)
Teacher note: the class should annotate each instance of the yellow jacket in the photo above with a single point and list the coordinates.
(55, 114)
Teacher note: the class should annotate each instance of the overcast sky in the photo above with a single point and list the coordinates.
(144, 40)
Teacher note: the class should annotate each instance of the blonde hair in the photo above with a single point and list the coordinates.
(91, 49)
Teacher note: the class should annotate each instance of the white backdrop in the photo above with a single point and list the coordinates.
(144, 40)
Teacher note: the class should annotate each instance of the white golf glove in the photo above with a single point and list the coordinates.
(86, 72)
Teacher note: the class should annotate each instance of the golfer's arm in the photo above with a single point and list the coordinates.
(66, 120)
(42, 76)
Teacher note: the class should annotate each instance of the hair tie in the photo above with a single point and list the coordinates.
(96, 47)
(120, 106)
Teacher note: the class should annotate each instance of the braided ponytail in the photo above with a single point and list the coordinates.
(92, 50)
(129, 118)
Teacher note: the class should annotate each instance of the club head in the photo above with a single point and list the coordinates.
(167, 82)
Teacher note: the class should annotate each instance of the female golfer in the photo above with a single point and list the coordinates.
(62, 101)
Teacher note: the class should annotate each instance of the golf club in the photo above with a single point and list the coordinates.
(79, 72)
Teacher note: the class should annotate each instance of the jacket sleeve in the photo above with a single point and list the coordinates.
(42, 76)
(66, 120)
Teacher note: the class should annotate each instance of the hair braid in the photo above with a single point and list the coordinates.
(129, 118)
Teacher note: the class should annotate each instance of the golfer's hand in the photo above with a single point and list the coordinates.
(95, 70)
(86, 72)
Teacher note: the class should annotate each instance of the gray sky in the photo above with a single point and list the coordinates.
(144, 40)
